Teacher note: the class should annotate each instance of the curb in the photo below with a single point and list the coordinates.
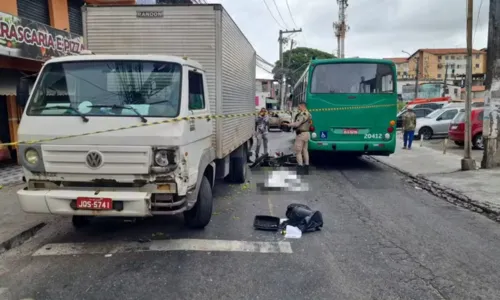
(20, 238)
(449, 195)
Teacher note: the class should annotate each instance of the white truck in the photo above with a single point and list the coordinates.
(140, 111)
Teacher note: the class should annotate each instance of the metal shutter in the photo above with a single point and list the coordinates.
(75, 16)
(35, 10)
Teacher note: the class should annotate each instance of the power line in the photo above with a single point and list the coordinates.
(279, 13)
(259, 58)
(269, 10)
(477, 20)
(290, 11)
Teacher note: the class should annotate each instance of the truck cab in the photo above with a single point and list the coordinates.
(118, 136)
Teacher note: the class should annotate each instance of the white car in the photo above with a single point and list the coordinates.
(436, 123)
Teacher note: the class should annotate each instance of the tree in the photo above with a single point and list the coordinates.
(296, 61)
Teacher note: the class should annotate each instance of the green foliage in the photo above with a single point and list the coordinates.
(296, 61)
(401, 105)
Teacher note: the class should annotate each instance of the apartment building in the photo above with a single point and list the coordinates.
(435, 63)
(402, 66)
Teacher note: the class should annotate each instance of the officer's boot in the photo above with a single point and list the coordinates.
(306, 169)
(300, 170)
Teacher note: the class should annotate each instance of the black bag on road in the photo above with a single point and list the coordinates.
(304, 218)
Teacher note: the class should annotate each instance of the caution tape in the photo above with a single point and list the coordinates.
(179, 119)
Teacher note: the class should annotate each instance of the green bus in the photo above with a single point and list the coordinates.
(353, 103)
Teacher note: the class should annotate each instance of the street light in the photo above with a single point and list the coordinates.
(416, 73)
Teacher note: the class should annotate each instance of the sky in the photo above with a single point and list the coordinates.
(378, 28)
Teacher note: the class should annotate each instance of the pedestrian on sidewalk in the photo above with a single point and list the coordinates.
(409, 124)
(301, 124)
(261, 129)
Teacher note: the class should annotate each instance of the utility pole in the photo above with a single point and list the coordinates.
(417, 68)
(467, 162)
(283, 79)
(341, 28)
(417, 71)
(445, 85)
(492, 99)
(292, 42)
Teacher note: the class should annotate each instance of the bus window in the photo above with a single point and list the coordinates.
(358, 78)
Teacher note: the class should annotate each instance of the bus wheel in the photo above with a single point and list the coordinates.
(426, 132)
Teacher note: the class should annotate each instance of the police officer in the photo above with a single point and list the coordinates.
(261, 129)
(301, 124)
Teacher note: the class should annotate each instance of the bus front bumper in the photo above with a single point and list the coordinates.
(367, 147)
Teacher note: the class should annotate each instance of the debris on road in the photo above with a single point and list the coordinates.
(266, 223)
(300, 218)
(303, 217)
(292, 232)
(279, 160)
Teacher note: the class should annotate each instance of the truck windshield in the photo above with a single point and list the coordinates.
(352, 78)
(103, 88)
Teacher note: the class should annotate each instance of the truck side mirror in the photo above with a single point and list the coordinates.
(23, 91)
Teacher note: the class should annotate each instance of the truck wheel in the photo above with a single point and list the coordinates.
(199, 216)
(80, 221)
(238, 169)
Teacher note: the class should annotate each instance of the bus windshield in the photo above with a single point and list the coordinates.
(352, 78)
(103, 88)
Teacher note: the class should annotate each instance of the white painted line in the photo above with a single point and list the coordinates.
(164, 245)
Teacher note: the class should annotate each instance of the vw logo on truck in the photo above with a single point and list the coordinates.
(94, 159)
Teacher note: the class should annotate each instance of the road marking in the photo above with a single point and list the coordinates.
(270, 205)
(164, 245)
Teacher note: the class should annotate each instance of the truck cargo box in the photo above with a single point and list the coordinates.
(205, 33)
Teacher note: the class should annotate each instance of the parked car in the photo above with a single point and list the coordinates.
(456, 132)
(436, 123)
(420, 112)
(454, 104)
(431, 105)
(276, 120)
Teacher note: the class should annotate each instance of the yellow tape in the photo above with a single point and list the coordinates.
(174, 120)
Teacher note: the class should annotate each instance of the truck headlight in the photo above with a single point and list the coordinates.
(31, 156)
(161, 158)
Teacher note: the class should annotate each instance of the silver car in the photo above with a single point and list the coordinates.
(436, 123)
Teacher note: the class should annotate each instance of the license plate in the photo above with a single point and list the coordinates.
(454, 127)
(94, 203)
(350, 131)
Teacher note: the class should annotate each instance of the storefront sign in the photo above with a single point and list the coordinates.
(23, 38)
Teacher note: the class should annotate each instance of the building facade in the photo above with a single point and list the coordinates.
(402, 66)
(436, 64)
(265, 93)
(31, 31)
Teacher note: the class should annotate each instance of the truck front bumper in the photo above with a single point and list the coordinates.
(62, 202)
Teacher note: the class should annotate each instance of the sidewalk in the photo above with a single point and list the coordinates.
(15, 225)
(440, 174)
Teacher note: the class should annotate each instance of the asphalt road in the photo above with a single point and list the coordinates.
(383, 238)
